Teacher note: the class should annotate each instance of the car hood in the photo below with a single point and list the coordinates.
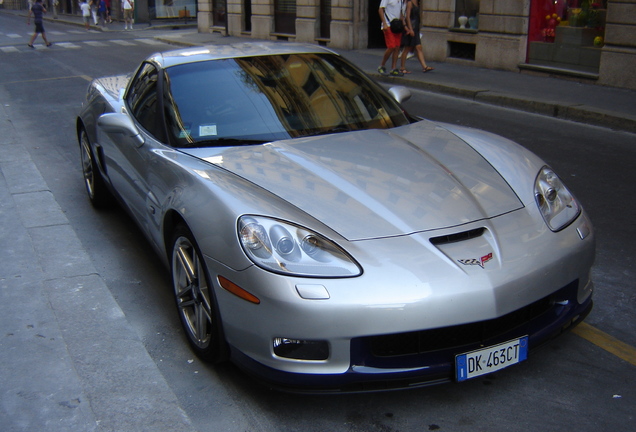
(375, 183)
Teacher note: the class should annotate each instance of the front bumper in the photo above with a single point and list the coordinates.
(417, 359)
(415, 308)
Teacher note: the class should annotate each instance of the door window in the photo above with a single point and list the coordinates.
(143, 101)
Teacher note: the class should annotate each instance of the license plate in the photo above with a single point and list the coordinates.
(491, 359)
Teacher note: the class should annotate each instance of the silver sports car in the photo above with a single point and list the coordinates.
(322, 238)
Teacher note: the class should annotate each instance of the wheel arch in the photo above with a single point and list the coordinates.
(79, 125)
(171, 220)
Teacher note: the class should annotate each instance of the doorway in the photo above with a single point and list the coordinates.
(376, 38)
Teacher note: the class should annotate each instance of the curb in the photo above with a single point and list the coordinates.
(577, 113)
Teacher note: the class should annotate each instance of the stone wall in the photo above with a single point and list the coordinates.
(618, 58)
(498, 42)
(499, 39)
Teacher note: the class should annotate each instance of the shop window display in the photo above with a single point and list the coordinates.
(466, 14)
(566, 34)
(175, 8)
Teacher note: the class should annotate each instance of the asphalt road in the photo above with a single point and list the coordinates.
(572, 384)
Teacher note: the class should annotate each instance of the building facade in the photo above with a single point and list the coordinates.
(145, 10)
(586, 39)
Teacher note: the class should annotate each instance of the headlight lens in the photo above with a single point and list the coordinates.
(289, 249)
(557, 205)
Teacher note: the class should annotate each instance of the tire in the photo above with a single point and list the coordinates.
(195, 299)
(96, 189)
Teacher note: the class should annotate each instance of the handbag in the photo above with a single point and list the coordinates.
(396, 24)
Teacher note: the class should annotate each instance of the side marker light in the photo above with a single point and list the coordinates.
(237, 290)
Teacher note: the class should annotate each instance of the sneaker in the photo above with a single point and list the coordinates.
(30, 46)
(396, 72)
(382, 70)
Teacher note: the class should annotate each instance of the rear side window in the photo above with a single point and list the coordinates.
(143, 101)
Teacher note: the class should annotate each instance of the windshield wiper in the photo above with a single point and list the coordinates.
(335, 129)
(223, 142)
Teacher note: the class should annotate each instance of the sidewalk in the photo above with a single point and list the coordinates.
(71, 361)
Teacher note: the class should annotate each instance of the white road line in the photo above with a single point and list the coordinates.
(95, 43)
(150, 41)
(67, 45)
(122, 42)
(76, 45)
(14, 35)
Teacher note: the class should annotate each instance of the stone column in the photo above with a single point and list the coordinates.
(307, 20)
(618, 58)
(503, 33)
(204, 16)
(342, 23)
(262, 18)
(235, 17)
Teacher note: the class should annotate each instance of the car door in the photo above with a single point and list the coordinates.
(130, 162)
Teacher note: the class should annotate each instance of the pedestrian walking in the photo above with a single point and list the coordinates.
(101, 12)
(392, 16)
(108, 15)
(86, 14)
(93, 5)
(411, 41)
(37, 10)
(128, 7)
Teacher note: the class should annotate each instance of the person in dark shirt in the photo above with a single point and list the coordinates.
(102, 12)
(37, 10)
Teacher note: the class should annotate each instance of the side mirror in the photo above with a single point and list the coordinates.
(114, 123)
(400, 93)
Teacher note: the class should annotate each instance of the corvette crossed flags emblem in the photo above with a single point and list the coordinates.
(477, 261)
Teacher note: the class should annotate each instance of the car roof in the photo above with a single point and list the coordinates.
(243, 49)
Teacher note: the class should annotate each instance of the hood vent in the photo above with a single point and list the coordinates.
(462, 236)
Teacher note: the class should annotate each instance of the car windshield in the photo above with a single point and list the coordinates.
(266, 98)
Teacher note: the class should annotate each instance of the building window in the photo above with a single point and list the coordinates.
(247, 15)
(172, 9)
(219, 17)
(461, 50)
(567, 34)
(285, 16)
(325, 19)
(466, 14)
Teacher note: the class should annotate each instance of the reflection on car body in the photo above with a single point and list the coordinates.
(319, 236)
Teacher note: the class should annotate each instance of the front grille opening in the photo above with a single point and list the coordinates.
(419, 342)
(457, 237)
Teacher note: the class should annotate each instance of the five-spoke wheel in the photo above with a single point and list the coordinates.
(194, 296)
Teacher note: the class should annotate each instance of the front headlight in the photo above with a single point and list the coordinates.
(289, 249)
(557, 205)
